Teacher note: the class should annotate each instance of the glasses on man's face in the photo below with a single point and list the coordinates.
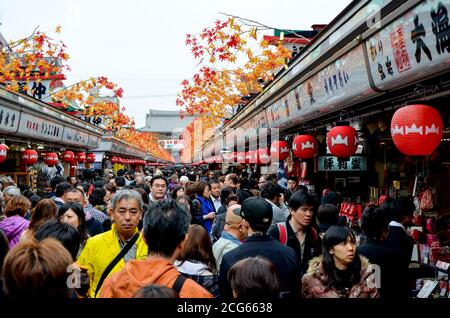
(159, 186)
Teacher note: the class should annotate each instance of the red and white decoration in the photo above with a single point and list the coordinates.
(251, 156)
(80, 157)
(279, 150)
(241, 157)
(29, 157)
(305, 146)
(51, 159)
(417, 129)
(263, 156)
(90, 157)
(3, 152)
(342, 141)
(68, 156)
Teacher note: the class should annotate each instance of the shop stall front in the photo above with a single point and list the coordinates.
(115, 154)
(36, 136)
(339, 98)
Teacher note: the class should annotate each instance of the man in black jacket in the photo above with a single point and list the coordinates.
(299, 234)
(257, 218)
(374, 223)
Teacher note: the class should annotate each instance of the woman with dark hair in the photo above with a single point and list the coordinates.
(96, 199)
(206, 205)
(197, 261)
(254, 277)
(340, 272)
(196, 215)
(72, 213)
(15, 223)
(177, 192)
(45, 210)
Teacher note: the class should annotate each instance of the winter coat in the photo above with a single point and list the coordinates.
(201, 274)
(100, 250)
(140, 273)
(313, 243)
(206, 207)
(13, 227)
(394, 278)
(224, 244)
(314, 282)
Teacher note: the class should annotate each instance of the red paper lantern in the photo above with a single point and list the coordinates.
(263, 156)
(305, 146)
(342, 141)
(3, 152)
(241, 157)
(279, 150)
(51, 159)
(68, 156)
(114, 159)
(90, 157)
(29, 157)
(252, 156)
(417, 130)
(80, 157)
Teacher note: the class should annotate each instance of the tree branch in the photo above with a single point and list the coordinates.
(259, 24)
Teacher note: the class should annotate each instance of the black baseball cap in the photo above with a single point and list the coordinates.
(256, 211)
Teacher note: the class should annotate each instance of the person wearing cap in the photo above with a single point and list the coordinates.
(233, 234)
(257, 218)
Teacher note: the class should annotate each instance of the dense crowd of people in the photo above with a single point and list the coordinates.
(181, 233)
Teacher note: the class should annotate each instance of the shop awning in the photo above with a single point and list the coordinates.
(22, 116)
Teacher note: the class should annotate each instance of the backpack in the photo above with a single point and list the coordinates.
(426, 201)
(283, 233)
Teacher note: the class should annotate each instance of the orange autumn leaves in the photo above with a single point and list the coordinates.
(35, 57)
(38, 57)
(233, 64)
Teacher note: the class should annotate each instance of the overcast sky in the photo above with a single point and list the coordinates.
(140, 44)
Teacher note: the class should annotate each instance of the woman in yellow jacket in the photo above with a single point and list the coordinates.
(102, 249)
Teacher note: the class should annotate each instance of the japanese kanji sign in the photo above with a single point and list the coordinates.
(330, 163)
(416, 44)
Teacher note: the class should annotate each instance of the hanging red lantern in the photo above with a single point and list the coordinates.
(90, 157)
(305, 146)
(342, 141)
(3, 152)
(51, 159)
(241, 157)
(417, 129)
(29, 157)
(252, 156)
(263, 156)
(80, 157)
(68, 156)
(114, 159)
(279, 150)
